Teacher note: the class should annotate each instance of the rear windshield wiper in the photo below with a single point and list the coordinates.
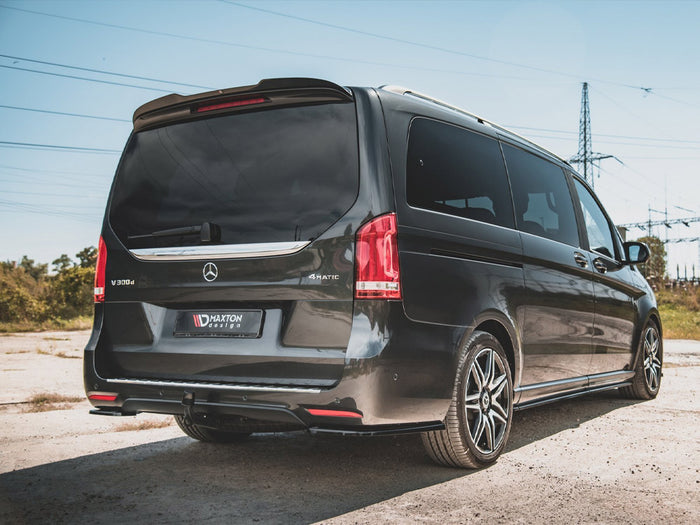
(208, 232)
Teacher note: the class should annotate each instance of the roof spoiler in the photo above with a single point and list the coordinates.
(280, 90)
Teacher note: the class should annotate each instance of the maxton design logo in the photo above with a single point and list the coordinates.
(210, 272)
(217, 320)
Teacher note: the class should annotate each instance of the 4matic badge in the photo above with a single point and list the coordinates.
(210, 272)
(324, 277)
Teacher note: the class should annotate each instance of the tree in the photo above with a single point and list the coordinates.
(62, 263)
(21, 296)
(87, 257)
(655, 268)
(37, 271)
(70, 293)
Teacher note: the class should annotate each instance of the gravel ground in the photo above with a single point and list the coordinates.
(597, 459)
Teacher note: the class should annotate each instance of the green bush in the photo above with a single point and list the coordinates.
(21, 296)
(29, 296)
(70, 293)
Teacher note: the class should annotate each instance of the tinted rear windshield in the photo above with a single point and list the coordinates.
(277, 175)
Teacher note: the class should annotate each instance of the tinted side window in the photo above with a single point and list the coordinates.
(541, 197)
(600, 238)
(456, 171)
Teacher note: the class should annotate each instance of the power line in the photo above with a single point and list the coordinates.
(428, 46)
(632, 144)
(63, 113)
(27, 145)
(52, 184)
(663, 222)
(102, 72)
(84, 78)
(39, 194)
(50, 171)
(682, 240)
(81, 217)
(260, 48)
(631, 137)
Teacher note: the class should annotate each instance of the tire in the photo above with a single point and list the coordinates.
(478, 421)
(208, 435)
(650, 353)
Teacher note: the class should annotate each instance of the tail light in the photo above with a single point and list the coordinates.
(377, 260)
(100, 272)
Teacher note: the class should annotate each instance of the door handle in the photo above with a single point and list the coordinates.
(580, 259)
(600, 265)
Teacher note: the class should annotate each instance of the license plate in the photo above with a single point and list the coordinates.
(219, 323)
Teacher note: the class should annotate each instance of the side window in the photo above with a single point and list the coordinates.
(600, 236)
(541, 197)
(456, 171)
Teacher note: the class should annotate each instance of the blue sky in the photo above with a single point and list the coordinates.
(520, 64)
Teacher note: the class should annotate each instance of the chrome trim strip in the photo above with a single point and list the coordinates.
(224, 251)
(550, 384)
(218, 386)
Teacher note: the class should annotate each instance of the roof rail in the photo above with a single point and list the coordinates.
(398, 90)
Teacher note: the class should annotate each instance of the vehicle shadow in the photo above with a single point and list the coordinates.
(281, 478)
(535, 424)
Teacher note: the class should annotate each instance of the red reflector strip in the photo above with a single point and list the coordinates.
(332, 413)
(103, 397)
(231, 104)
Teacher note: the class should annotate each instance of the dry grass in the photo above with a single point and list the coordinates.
(143, 425)
(41, 351)
(680, 313)
(679, 323)
(79, 323)
(46, 402)
(64, 355)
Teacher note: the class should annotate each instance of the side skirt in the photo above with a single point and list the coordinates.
(570, 395)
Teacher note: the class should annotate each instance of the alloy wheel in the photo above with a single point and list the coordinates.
(652, 359)
(487, 401)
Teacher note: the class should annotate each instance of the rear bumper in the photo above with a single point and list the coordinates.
(398, 377)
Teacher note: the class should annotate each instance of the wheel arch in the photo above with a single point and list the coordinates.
(652, 315)
(503, 329)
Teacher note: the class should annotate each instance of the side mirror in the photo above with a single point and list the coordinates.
(635, 252)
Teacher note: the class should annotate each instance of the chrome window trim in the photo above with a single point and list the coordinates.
(225, 251)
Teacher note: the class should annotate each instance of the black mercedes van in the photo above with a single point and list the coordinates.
(300, 255)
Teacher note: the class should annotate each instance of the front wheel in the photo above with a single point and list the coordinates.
(647, 378)
(478, 421)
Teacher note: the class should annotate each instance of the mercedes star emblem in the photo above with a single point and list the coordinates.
(210, 272)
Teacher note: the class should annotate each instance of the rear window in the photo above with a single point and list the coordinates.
(279, 175)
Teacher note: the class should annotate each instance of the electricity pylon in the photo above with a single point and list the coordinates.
(585, 154)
